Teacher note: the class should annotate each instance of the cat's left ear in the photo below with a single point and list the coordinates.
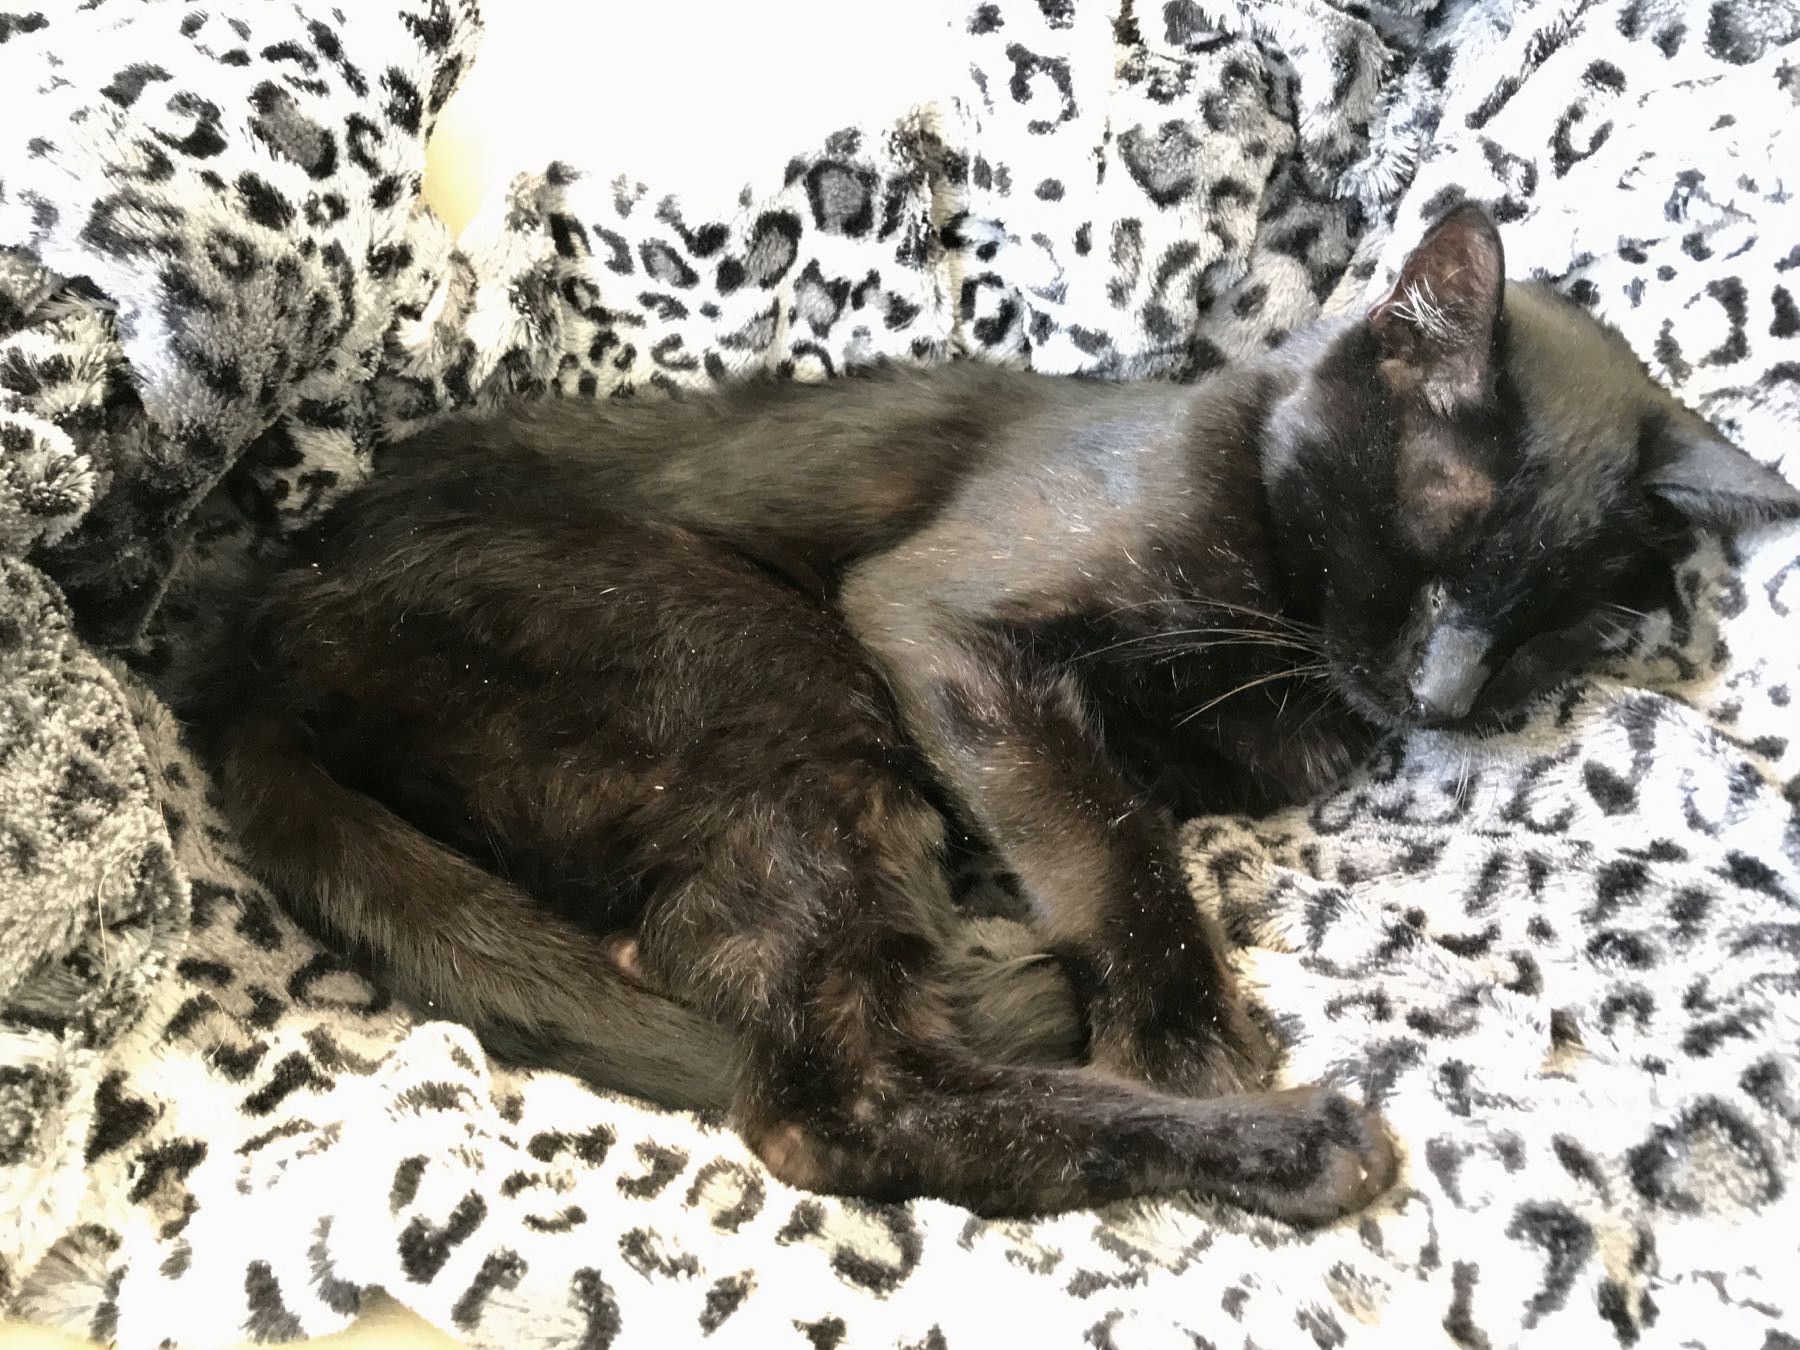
(1710, 481)
(1436, 327)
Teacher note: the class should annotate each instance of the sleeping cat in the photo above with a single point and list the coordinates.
(628, 734)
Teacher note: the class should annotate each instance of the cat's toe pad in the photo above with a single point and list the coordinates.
(1312, 1155)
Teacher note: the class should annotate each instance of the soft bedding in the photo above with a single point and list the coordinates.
(1564, 962)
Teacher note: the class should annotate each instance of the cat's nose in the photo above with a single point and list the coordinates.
(1449, 675)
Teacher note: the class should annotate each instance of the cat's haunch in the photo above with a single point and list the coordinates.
(634, 736)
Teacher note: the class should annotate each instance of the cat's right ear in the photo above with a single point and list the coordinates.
(1436, 327)
(1710, 481)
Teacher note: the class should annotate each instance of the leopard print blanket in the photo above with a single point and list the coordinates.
(1565, 962)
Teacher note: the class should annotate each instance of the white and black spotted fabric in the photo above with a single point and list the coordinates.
(1565, 963)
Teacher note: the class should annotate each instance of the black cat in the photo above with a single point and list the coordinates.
(625, 733)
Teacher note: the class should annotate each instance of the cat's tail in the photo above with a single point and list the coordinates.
(453, 940)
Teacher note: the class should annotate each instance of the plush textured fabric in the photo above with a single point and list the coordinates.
(1566, 962)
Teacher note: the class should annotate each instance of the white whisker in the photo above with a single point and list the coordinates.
(1312, 671)
(1227, 606)
(1230, 637)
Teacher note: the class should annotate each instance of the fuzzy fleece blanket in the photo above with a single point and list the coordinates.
(1565, 963)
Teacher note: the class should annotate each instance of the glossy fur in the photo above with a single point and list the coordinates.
(626, 734)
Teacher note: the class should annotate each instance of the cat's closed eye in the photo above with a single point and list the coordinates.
(1483, 485)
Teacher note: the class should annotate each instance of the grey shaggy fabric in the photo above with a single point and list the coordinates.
(1566, 962)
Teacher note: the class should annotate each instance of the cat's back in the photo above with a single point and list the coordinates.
(826, 472)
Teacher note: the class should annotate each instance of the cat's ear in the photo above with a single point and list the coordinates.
(1710, 481)
(1436, 327)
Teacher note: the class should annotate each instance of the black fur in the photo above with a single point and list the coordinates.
(626, 734)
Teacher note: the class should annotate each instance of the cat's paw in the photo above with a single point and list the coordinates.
(1304, 765)
(1200, 1055)
(1306, 1155)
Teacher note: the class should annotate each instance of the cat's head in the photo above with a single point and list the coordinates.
(1473, 482)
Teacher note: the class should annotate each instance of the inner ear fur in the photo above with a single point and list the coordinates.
(1436, 326)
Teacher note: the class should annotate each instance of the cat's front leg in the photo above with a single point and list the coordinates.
(1293, 760)
(1014, 742)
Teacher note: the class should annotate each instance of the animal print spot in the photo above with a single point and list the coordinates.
(235, 256)
(1027, 66)
(424, 1247)
(1564, 153)
(649, 1255)
(865, 1264)
(1161, 161)
(405, 108)
(406, 1183)
(842, 197)
(288, 1129)
(1567, 1242)
(289, 133)
(665, 266)
(326, 210)
(119, 1117)
(1627, 949)
(1730, 294)
(1604, 75)
(1459, 1321)
(724, 1298)
(31, 1095)
(1702, 1038)
(129, 83)
(817, 301)
(1766, 1083)
(175, 1158)
(502, 1269)
(671, 354)
(1711, 1151)
(1786, 322)
(1740, 35)
(569, 1218)
(293, 1073)
(1753, 874)
(592, 1297)
(83, 798)
(732, 1193)
(807, 1221)
(1616, 884)
(256, 922)
(773, 246)
(21, 23)
(268, 1319)
(423, 1097)
(567, 234)
(326, 981)
(1580, 1164)
(661, 1166)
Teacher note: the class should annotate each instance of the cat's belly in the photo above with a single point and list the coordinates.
(661, 709)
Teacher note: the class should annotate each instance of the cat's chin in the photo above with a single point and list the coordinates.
(1379, 712)
(1484, 719)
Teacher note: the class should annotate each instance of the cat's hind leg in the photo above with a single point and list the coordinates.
(818, 944)
(864, 1090)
